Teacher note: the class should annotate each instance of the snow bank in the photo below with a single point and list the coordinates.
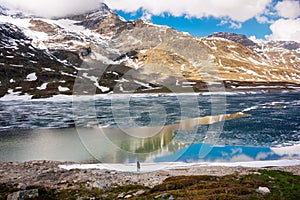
(145, 167)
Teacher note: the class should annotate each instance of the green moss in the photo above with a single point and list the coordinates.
(283, 185)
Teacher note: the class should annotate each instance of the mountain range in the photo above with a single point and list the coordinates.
(100, 52)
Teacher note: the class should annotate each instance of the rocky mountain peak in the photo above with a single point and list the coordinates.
(101, 20)
(99, 13)
(238, 38)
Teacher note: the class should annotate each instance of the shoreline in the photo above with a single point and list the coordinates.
(49, 173)
(46, 180)
(169, 166)
(223, 92)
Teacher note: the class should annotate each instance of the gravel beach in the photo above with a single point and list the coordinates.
(48, 174)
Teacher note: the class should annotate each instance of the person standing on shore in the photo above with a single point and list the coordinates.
(138, 166)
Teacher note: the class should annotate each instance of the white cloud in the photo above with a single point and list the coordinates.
(232, 24)
(286, 30)
(256, 40)
(236, 10)
(146, 16)
(288, 9)
(52, 8)
(263, 19)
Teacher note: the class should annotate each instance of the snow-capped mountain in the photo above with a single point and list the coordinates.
(44, 57)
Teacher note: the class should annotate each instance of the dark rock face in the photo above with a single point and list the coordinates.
(19, 59)
(238, 38)
(10, 31)
(55, 68)
(71, 57)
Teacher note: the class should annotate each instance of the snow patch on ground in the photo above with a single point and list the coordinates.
(96, 83)
(142, 84)
(48, 69)
(143, 51)
(15, 96)
(254, 61)
(24, 23)
(63, 89)
(42, 87)
(66, 24)
(57, 98)
(145, 167)
(31, 77)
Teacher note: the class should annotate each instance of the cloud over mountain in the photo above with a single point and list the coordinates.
(51, 8)
(288, 9)
(236, 10)
(285, 29)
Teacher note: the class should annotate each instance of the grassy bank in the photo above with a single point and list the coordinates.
(282, 185)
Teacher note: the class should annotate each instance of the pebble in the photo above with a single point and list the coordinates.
(128, 196)
(140, 192)
(263, 190)
(171, 197)
(22, 186)
(120, 196)
(163, 195)
(101, 185)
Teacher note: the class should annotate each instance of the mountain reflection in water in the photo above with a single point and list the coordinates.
(97, 144)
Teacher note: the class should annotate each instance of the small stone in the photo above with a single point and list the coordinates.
(120, 196)
(101, 185)
(140, 192)
(128, 196)
(163, 195)
(263, 190)
(63, 181)
(94, 172)
(22, 186)
(171, 197)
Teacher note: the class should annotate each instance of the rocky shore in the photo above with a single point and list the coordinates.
(48, 174)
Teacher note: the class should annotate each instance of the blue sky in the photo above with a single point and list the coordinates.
(263, 19)
(204, 26)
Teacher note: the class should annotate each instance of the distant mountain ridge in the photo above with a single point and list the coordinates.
(243, 40)
(129, 56)
(239, 38)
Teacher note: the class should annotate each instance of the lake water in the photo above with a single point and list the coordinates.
(153, 128)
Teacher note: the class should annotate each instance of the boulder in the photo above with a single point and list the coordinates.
(263, 190)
